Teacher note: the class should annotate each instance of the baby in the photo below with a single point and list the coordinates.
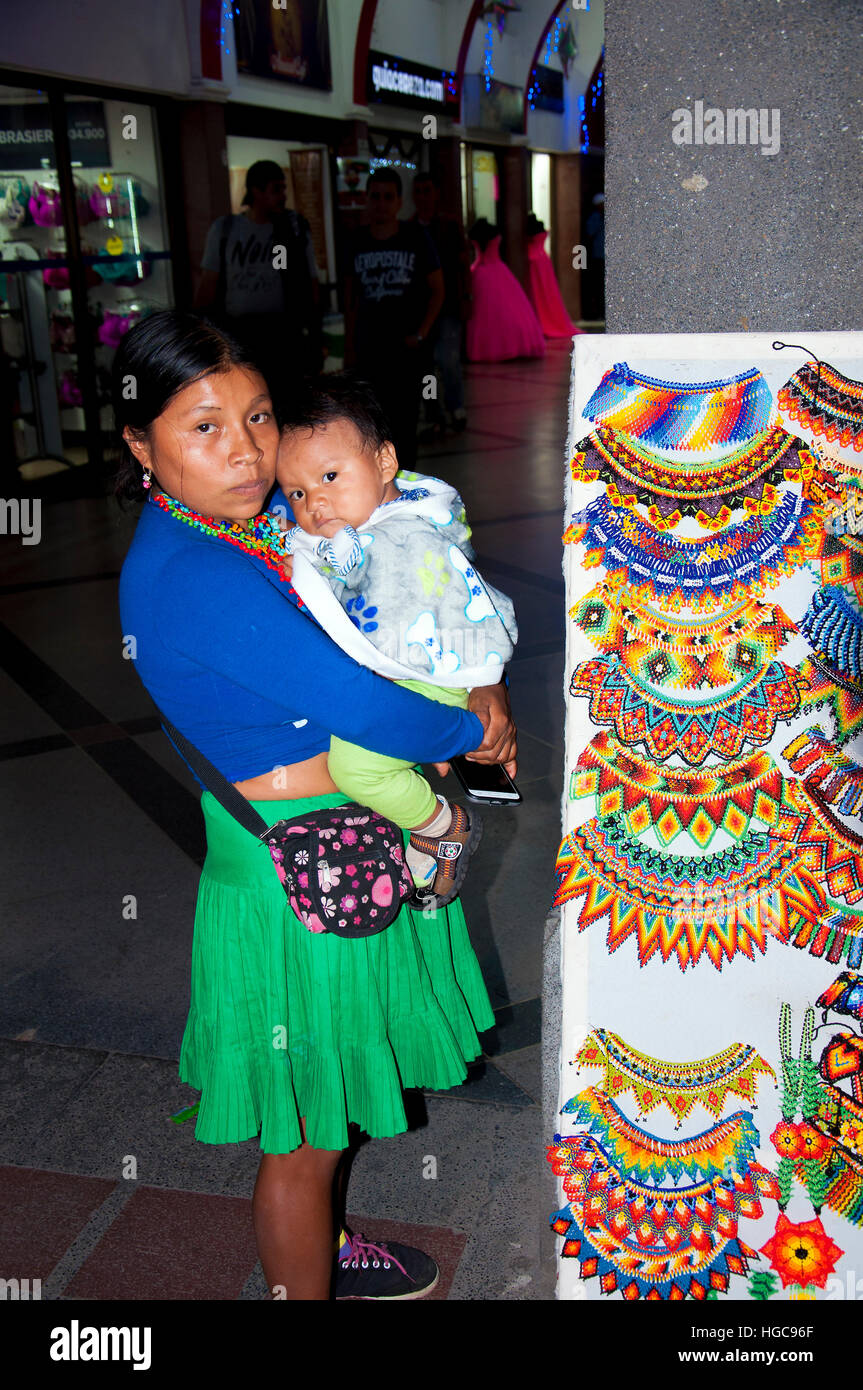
(380, 561)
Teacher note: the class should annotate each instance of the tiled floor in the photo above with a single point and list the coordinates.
(98, 811)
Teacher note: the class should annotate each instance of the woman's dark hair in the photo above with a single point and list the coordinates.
(534, 225)
(156, 359)
(482, 232)
(340, 396)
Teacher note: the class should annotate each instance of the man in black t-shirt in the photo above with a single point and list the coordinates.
(268, 301)
(393, 294)
(455, 255)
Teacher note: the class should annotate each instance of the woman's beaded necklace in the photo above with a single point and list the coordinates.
(259, 535)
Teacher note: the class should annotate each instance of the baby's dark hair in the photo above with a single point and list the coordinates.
(340, 396)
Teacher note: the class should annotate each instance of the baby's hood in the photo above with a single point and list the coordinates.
(430, 498)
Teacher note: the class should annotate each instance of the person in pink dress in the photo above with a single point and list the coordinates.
(542, 284)
(502, 323)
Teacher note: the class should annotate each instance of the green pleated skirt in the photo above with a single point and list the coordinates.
(286, 1023)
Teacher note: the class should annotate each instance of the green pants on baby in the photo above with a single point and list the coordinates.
(390, 786)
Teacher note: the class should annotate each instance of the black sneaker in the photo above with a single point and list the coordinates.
(384, 1270)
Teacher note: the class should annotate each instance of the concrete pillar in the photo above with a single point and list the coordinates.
(206, 186)
(445, 161)
(720, 237)
(515, 177)
(566, 211)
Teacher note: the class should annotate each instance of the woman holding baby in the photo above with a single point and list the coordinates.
(246, 675)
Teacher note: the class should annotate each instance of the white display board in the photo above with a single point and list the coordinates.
(658, 1008)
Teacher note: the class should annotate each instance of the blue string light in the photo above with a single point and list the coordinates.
(488, 56)
(533, 91)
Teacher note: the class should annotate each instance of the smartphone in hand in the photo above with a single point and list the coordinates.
(488, 784)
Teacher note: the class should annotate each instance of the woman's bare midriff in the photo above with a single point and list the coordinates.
(310, 778)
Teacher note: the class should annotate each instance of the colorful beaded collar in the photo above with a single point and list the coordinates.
(259, 535)
(685, 906)
(678, 1085)
(694, 416)
(722, 725)
(682, 652)
(700, 1268)
(709, 491)
(824, 401)
(673, 802)
(803, 882)
(704, 575)
(728, 1146)
(835, 628)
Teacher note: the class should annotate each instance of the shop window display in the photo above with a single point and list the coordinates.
(123, 259)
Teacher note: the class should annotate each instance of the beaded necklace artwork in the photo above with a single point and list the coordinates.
(723, 725)
(729, 1147)
(702, 574)
(824, 768)
(671, 490)
(832, 855)
(835, 628)
(259, 535)
(684, 906)
(678, 1085)
(646, 1240)
(841, 698)
(802, 881)
(683, 652)
(691, 416)
(841, 560)
(674, 801)
(700, 1269)
(826, 402)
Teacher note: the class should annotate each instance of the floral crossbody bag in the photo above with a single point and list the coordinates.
(343, 869)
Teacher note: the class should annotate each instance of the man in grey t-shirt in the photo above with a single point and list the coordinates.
(260, 279)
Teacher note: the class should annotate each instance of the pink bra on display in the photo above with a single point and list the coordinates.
(45, 206)
(118, 203)
(56, 277)
(114, 327)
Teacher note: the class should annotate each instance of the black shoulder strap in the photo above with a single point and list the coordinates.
(224, 791)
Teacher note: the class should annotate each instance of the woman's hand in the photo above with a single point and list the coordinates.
(490, 704)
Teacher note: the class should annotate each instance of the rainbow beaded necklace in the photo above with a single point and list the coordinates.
(259, 535)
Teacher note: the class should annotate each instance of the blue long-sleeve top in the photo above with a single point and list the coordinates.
(247, 676)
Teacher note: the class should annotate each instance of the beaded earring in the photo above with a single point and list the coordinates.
(148, 473)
